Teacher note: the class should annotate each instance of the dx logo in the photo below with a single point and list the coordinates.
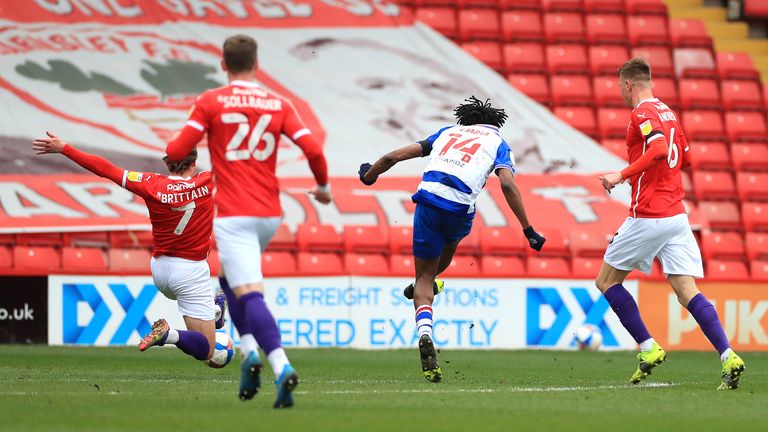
(106, 307)
(550, 312)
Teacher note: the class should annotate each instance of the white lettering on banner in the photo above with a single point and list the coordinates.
(101, 204)
(282, 9)
(175, 6)
(355, 7)
(102, 7)
(200, 7)
(741, 321)
(575, 199)
(12, 194)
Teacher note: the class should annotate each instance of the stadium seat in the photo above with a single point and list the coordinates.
(607, 92)
(548, 267)
(696, 219)
(39, 258)
(401, 240)
(606, 60)
(556, 244)
(660, 58)
(722, 245)
(588, 243)
(736, 65)
(749, 156)
(275, 264)
(535, 86)
(571, 90)
(502, 241)
(488, 52)
(563, 5)
(567, 58)
(564, 28)
(283, 240)
(463, 266)
(523, 57)
(586, 267)
(522, 25)
(704, 125)
(604, 6)
(741, 95)
(401, 265)
(616, 146)
(7, 239)
(699, 94)
(129, 260)
(520, 4)
(366, 264)
(81, 259)
(755, 9)
(689, 33)
(317, 264)
(751, 186)
(479, 24)
(502, 266)
(85, 239)
(39, 239)
(666, 90)
(318, 238)
(645, 7)
(755, 216)
(365, 239)
(6, 257)
(726, 270)
(442, 19)
(709, 156)
(746, 126)
(759, 270)
(722, 215)
(131, 239)
(613, 122)
(647, 30)
(757, 245)
(214, 263)
(581, 118)
(477, 3)
(694, 63)
(714, 185)
(607, 29)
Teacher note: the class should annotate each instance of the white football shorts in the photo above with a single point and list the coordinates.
(186, 281)
(241, 241)
(639, 240)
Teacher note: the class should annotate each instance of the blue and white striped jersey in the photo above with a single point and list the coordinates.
(461, 159)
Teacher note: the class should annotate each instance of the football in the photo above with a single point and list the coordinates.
(223, 351)
(588, 337)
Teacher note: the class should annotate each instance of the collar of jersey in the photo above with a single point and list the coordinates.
(646, 100)
(179, 178)
(488, 126)
(243, 83)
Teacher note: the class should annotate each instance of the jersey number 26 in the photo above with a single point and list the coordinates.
(234, 151)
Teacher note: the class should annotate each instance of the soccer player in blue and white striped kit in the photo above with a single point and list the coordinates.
(461, 159)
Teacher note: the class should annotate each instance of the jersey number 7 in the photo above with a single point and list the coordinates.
(234, 152)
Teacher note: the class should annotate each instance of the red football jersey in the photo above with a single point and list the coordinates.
(658, 191)
(244, 123)
(180, 209)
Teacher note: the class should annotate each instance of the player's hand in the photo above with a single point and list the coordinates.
(611, 180)
(322, 196)
(363, 170)
(535, 240)
(52, 144)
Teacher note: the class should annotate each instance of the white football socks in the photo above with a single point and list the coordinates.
(173, 337)
(247, 345)
(278, 360)
(725, 354)
(646, 344)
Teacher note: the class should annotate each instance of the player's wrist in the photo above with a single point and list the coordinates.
(326, 188)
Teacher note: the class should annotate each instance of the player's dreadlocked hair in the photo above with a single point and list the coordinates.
(182, 165)
(476, 111)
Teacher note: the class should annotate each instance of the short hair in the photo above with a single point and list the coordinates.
(239, 52)
(182, 165)
(476, 111)
(636, 69)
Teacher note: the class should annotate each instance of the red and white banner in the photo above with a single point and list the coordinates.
(83, 202)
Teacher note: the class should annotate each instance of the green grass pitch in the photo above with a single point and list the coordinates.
(105, 389)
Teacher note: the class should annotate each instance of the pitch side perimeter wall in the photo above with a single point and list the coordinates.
(370, 313)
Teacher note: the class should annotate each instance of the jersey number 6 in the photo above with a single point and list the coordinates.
(234, 152)
(672, 155)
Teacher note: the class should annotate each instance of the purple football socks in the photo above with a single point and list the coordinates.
(194, 344)
(261, 322)
(624, 305)
(706, 315)
(235, 308)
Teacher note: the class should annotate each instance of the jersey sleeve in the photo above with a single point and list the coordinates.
(504, 158)
(295, 129)
(139, 183)
(293, 126)
(426, 144)
(198, 116)
(648, 123)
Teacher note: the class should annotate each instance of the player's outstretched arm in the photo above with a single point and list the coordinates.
(515, 202)
(370, 173)
(183, 143)
(655, 153)
(95, 164)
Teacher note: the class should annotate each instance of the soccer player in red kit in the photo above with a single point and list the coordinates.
(244, 123)
(657, 226)
(181, 211)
